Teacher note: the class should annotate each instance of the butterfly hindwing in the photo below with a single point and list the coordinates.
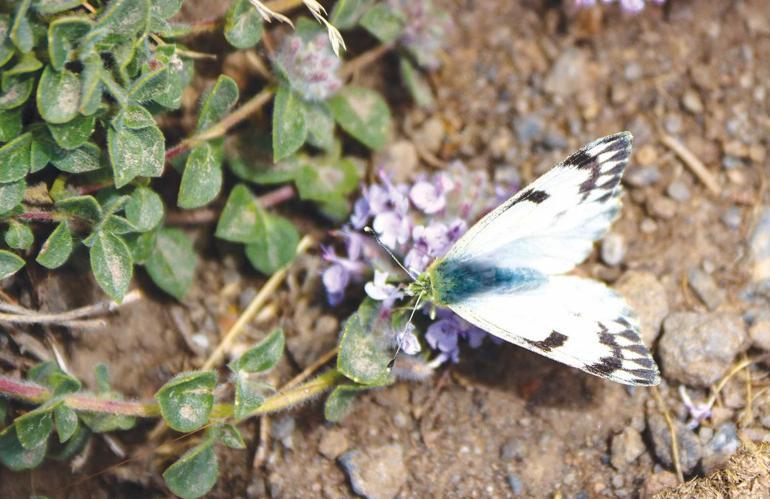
(551, 224)
(579, 322)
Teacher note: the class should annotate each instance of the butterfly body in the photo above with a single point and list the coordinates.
(506, 274)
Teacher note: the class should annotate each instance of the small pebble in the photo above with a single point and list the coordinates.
(690, 449)
(642, 176)
(378, 472)
(333, 443)
(722, 445)
(731, 162)
(661, 207)
(759, 332)
(692, 102)
(613, 249)
(514, 482)
(633, 71)
(648, 225)
(672, 123)
(626, 448)
(732, 217)
(512, 449)
(760, 247)
(678, 191)
(706, 288)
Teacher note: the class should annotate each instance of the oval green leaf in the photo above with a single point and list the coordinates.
(172, 263)
(14, 456)
(111, 264)
(363, 114)
(243, 25)
(275, 244)
(10, 263)
(58, 95)
(289, 125)
(265, 355)
(195, 473)
(57, 248)
(186, 400)
(145, 209)
(201, 179)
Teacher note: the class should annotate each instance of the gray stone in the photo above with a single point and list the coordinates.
(613, 249)
(626, 448)
(706, 288)
(657, 482)
(569, 74)
(690, 448)
(759, 332)
(720, 447)
(731, 162)
(375, 473)
(642, 176)
(760, 247)
(529, 128)
(333, 443)
(633, 71)
(399, 159)
(647, 297)
(512, 449)
(732, 217)
(672, 122)
(282, 429)
(514, 482)
(678, 191)
(697, 349)
(662, 207)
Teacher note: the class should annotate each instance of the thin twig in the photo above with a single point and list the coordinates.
(260, 456)
(692, 162)
(743, 364)
(23, 315)
(672, 429)
(309, 370)
(362, 60)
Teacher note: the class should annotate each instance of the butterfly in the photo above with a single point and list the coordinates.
(506, 274)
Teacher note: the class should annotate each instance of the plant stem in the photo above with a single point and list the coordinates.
(363, 60)
(211, 215)
(302, 393)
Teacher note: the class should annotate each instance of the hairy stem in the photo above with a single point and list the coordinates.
(302, 393)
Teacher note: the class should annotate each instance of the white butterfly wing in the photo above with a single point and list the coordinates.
(579, 322)
(551, 225)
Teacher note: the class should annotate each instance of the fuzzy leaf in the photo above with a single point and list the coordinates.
(134, 117)
(84, 207)
(48, 7)
(14, 456)
(249, 395)
(252, 161)
(362, 113)
(217, 102)
(141, 245)
(15, 158)
(243, 25)
(91, 88)
(275, 243)
(74, 133)
(16, 91)
(19, 236)
(416, 83)
(166, 8)
(180, 72)
(320, 125)
(202, 178)
(231, 437)
(265, 355)
(33, 428)
(145, 209)
(136, 153)
(10, 263)
(338, 403)
(124, 18)
(58, 95)
(57, 248)
(10, 124)
(172, 263)
(11, 195)
(111, 264)
(86, 158)
(64, 35)
(21, 30)
(186, 400)
(326, 179)
(383, 22)
(346, 13)
(66, 422)
(28, 63)
(195, 473)
(240, 216)
(364, 349)
(148, 85)
(289, 124)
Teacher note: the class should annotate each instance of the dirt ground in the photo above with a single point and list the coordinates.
(521, 86)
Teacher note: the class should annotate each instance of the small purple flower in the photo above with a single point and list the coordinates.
(379, 289)
(699, 412)
(425, 31)
(630, 6)
(442, 335)
(336, 279)
(392, 228)
(408, 340)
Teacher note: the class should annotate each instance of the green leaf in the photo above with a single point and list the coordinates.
(105, 423)
(134, 117)
(66, 422)
(74, 445)
(289, 126)
(10, 124)
(335, 209)
(124, 18)
(74, 133)
(48, 7)
(116, 224)
(240, 216)
(58, 95)
(201, 179)
(364, 347)
(141, 245)
(10, 263)
(249, 395)
(416, 84)
(145, 209)
(172, 263)
(91, 85)
(231, 437)
(86, 158)
(15, 158)
(28, 63)
(327, 179)
(320, 125)
(19, 236)
(148, 85)
(21, 30)
(217, 102)
(265, 355)
(16, 90)
(14, 456)
(243, 25)
(362, 113)
(383, 22)
(252, 161)
(136, 153)
(346, 13)
(64, 35)
(164, 9)
(338, 403)
(195, 473)
(84, 207)
(33, 428)
(11, 195)
(3, 412)
(180, 72)
(275, 244)
(186, 400)
(57, 248)
(111, 264)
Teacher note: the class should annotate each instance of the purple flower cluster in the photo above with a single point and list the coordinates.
(425, 30)
(632, 6)
(310, 66)
(420, 222)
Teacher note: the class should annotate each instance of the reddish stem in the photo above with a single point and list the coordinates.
(39, 216)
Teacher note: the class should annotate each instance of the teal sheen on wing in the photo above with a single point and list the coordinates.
(456, 280)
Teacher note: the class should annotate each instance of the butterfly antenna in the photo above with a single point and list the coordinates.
(399, 338)
(371, 232)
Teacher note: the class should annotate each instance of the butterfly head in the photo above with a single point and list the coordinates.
(420, 286)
